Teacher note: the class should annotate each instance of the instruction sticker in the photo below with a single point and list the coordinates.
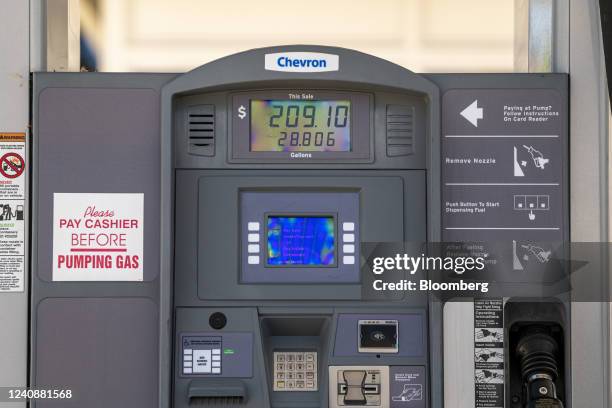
(407, 386)
(98, 237)
(12, 213)
(503, 160)
(489, 352)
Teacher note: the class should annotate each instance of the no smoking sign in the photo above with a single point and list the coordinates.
(11, 165)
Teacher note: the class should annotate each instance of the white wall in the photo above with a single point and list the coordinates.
(422, 35)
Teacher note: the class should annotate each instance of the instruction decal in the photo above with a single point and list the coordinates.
(503, 189)
(489, 352)
(12, 211)
(503, 156)
(407, 387)
(98, 236)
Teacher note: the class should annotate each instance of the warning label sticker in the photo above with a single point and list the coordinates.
(12, 240)
(12, 165)
(98, 237)
(12, 211)
(489, 352)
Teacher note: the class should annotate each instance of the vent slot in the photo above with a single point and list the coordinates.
(215, 401)
(400, 130)
(201, 130)
(216, 393)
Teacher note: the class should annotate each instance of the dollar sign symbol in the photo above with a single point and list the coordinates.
(241, 112)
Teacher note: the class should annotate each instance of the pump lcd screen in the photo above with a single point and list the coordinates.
(301, 241)
(300, 126)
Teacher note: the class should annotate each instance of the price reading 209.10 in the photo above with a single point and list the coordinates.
(287, 125)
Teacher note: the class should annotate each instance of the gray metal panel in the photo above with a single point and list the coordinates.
(590, 196)
(577, 49)
(381, 98)
(548, 42)
(458, 351)
(216, 208)
(534, 26)
(103, 349)
(97, 141)
(98, 133)
(195, 320)
(291, 333)
(461, 365)
(246, 71)
(14, 114)
(357, 70)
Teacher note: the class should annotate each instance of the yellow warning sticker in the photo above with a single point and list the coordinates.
(12, 211)
(12, 137)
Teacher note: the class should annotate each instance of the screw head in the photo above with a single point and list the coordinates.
(543, 390)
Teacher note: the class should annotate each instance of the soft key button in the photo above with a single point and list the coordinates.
(348, 248)
(349, 238)
(348, 260)
(348, 226)
(187, 361)
(253, 226)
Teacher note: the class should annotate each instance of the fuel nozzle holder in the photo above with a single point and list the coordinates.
(538, 354)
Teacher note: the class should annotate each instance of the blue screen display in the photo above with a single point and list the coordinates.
(297, 241)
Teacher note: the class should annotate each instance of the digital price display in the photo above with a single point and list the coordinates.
(301, 241)
(300, 126)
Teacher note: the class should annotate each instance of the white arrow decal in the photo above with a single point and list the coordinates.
(472, 113)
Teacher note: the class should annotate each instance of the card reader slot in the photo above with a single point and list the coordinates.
(371, 389)
(368, 389)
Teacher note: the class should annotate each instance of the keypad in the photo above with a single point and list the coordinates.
(295, 371)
